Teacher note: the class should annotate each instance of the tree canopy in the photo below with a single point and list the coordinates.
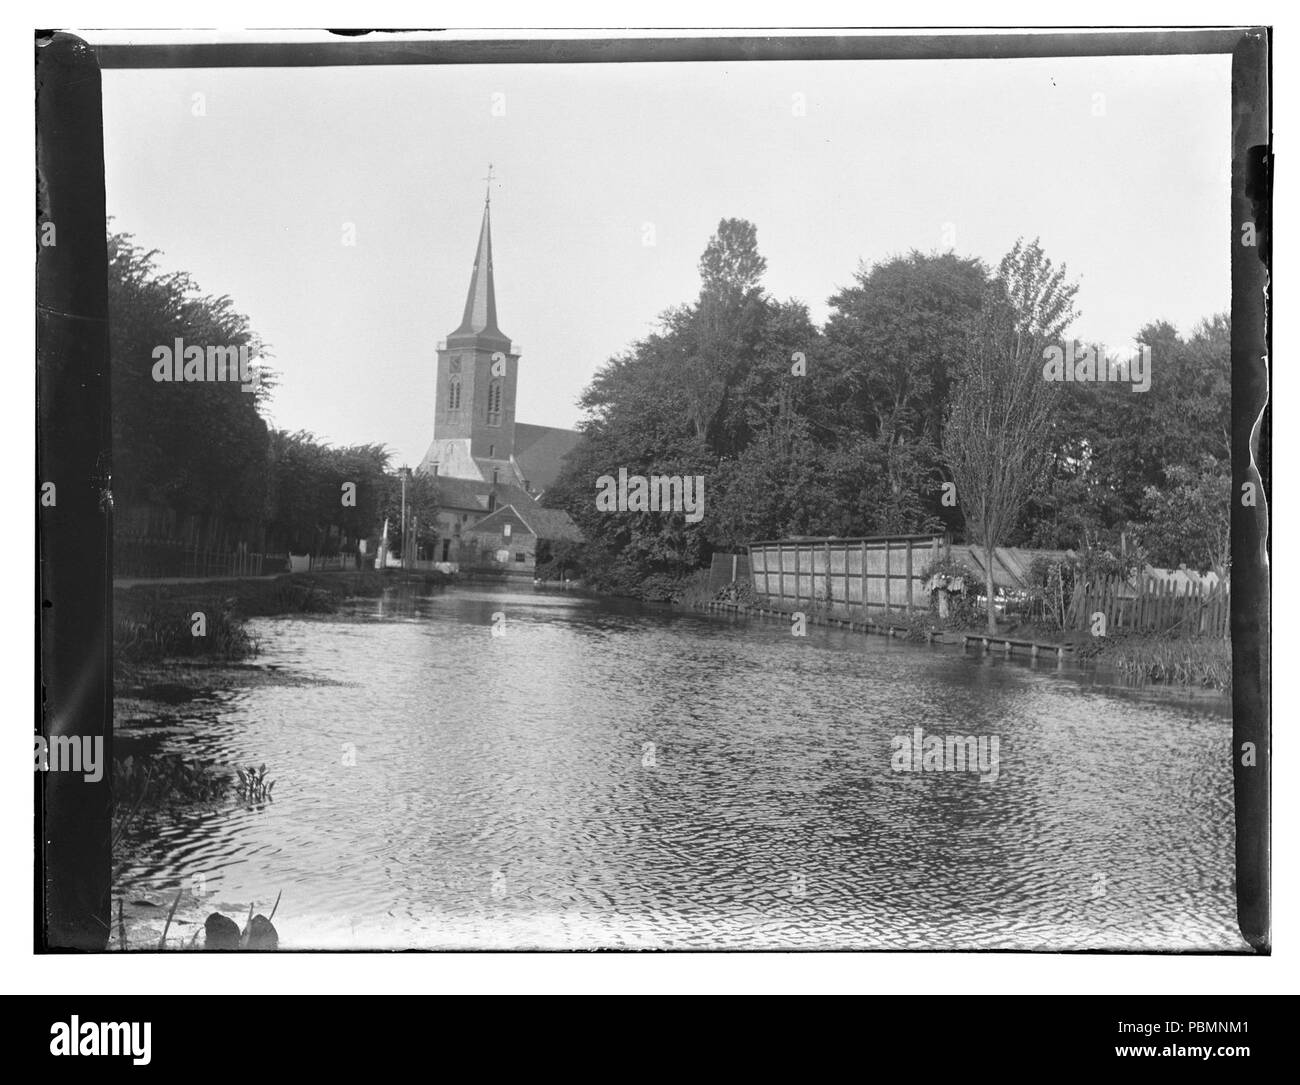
(928, 371)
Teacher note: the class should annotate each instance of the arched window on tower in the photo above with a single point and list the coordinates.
(453, 395)
(494, 403)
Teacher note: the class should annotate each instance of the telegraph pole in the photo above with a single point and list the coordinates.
(405, 472)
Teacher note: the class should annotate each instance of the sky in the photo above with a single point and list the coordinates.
(610, 180)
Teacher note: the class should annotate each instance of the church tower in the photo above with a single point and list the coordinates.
(478, 369)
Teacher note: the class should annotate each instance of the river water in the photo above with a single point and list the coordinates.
(605, 775)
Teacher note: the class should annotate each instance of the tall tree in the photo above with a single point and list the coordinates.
(189, 449)
(998, 437)
(321, 498)
(894, 338)
(720, 333)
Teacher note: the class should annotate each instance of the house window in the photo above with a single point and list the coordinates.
(494, 403)
(520, 556)
(505, 531)
(453, 395)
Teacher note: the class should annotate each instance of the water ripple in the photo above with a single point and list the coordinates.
(601, 776)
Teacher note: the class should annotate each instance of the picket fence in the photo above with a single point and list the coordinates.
(1153, 605)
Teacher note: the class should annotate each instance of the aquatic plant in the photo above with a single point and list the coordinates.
(1191, 661)
(252, 784)
(171, 776)
(148, 627)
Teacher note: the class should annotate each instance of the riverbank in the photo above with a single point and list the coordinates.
(1193, 663)
(205, 620)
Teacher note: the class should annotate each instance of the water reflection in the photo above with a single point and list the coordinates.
(602, 774)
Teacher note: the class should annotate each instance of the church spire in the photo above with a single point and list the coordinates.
(480, 320)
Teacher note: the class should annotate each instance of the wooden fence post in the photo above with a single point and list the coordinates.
(866, 613)
(909, 576)
(888, 599)
(830, 591)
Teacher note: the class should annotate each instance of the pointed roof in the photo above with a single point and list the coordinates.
(478, 327)
(550, 524)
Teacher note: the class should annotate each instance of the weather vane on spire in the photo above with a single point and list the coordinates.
(489, 178)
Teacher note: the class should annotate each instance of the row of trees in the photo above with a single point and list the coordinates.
(201, 452)
(924, 385)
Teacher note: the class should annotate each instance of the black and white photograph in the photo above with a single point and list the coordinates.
(801, 491)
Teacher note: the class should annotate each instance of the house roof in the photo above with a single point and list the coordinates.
(540, 452)
(544, 523)
(472, 494)
(551, 523)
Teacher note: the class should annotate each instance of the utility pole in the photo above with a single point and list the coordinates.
(405, 472)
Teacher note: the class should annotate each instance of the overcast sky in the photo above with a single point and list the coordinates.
(252, 199)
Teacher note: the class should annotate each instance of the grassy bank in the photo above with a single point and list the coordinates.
(1205, 662)
(205, 620)
(1199, 662)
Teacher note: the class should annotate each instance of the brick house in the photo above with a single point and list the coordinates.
(509, 538)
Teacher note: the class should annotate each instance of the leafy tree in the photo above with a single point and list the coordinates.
(779, 486)
(668, 407)
(894, 339)
(323, 499)
(191, 448)
(718, 336)
(1186, 520)
(997, 441)
(1113, 444)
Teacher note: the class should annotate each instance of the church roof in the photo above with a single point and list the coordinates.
(540, 452)
(478, 327)
(472, 495)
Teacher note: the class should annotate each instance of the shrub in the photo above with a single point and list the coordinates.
(964, 602)
(740, 591)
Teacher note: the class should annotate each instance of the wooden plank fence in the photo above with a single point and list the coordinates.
(1155, 605)
(851, 577)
